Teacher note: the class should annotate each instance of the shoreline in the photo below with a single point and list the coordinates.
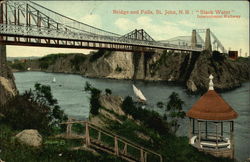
(170, 83)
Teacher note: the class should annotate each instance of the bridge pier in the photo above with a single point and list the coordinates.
(3, 61)
(3, 66)
(208, 45)
(194, 39)
(139, 65)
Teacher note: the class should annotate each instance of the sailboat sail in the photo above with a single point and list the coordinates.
(54, 80)
(139, 94)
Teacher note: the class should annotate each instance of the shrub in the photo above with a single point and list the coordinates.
(48, 60)
(150, 119)
(96, 55)
(19, 66)
(160, 104)
(77, 60)
(35, 109)
(118, 69)
(44, 65)
(108, 91)
(217, 56)
(94, 98)
(174, 107)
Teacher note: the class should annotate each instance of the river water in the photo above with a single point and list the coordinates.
(69, 91)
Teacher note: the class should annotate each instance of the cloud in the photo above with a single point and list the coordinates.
(125, 24)
(233, 33)
(225, 29)
(159, 31)
(186, 23)
(92, 19)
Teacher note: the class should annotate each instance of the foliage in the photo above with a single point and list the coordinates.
(217, 56)
(118, 69)
(161, 61)
(35, 109)
(172, 148)
(150, 119)
(56, 150)
(108, 91)
(160, 104)
(78, 128)
(48, 60)
(94, 98)
(174, 111)
(96, 55)
(243, 59)
(18, 65)
(77, 60)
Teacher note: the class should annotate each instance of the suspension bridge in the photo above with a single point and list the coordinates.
(27, 23)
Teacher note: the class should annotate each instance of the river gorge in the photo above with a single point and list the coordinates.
(69, 91)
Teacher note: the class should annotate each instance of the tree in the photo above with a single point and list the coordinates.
(108, 91)
(35, 109)
(174, 110)
(94, 98)
(149, 118)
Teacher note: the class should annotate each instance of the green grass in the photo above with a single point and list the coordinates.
(172, 148)
(13, 151)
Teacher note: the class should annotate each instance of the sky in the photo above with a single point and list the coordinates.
(232, 31)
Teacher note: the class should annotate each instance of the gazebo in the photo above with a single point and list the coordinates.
(211, 124)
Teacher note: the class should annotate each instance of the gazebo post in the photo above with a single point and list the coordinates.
(216, 125)
(199, 129)
(206, 129)
(232, 137)
(190, 131)
(221, 125)
(193, 126)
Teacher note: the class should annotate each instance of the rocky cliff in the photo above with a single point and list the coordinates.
(7, 84)
(190, 69)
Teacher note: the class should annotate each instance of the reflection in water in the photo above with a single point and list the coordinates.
(69, 90)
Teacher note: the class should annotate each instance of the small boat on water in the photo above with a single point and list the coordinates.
(54, 80)
(139, 94)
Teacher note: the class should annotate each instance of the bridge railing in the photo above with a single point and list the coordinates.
(34, 31)
(29, 19)
(112, 143)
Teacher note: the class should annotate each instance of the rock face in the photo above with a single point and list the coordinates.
(117, 65)
(113, 103)
(227, 73)
(190, 69)
(30, 137)
(111, 107)
(7, 84)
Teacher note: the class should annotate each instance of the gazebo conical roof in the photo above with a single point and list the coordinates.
(211, 106)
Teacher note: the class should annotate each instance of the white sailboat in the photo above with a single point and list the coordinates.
(139, 94)
(54, 80)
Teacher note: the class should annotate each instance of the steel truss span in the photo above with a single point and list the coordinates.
(28, 23)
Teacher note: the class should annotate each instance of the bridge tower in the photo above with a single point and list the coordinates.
(194, 39)
(208, 45)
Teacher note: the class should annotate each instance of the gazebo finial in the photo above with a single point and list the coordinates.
(211, 84)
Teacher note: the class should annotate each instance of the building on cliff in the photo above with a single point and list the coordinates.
(211, 124)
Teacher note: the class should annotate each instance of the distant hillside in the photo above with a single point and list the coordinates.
(189, 69)
(22, 58)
